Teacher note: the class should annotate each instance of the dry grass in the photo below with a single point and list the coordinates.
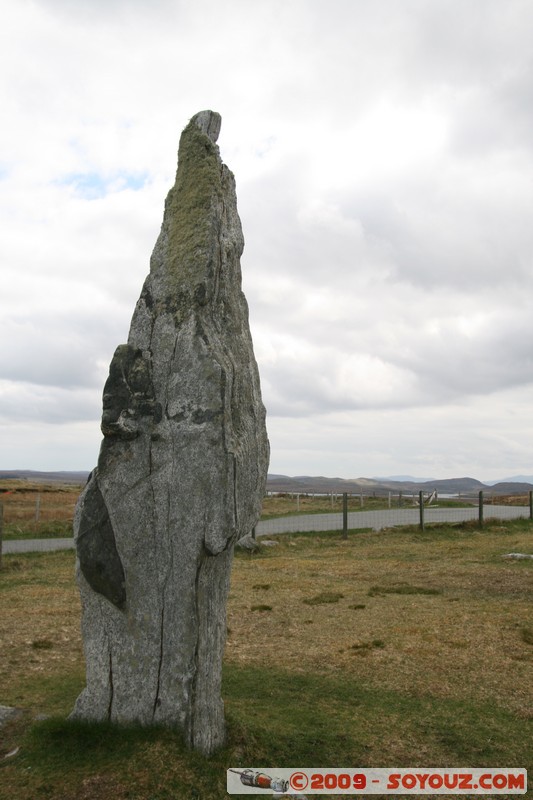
(451, 613)
(40, 629)
(454, 617)
(450, 629)
(40, 510)
(283, 504)
(33, 509)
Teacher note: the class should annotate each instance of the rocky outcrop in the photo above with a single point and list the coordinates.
(182, 468)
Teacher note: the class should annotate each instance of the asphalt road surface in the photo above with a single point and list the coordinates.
(385, 518)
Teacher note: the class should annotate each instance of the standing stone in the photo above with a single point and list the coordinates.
(181, 472)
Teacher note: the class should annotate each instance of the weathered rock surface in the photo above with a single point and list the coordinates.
(248, 543)
(8, 713)
(517, 555)
(182, 468)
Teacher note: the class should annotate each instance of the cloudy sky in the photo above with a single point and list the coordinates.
(384, 162)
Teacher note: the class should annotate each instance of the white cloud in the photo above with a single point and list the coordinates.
(382, 153)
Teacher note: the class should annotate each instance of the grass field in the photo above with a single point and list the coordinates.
(32, 511)
(392, 649)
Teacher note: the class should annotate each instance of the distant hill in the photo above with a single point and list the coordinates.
(402, 478)
(453, 485)
(45, 477)
(513, 479)
(511, 487)
(308, 484)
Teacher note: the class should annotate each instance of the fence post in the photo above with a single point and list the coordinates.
(421, 504)
(345, 515)
(530, 504)
(38, 507)
(481, 509)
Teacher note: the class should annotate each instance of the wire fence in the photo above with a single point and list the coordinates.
(346, 520)
(387, 518)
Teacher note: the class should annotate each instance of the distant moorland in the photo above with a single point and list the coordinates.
(308, 484)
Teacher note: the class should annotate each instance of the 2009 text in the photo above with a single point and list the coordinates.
(482, 781)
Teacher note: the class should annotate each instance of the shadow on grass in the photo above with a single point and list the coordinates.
(302, 719)
(59, 743)
(275, 719)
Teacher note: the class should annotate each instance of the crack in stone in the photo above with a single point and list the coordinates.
(111, 687)
(192, 700)
(157, 700)
(235, 501)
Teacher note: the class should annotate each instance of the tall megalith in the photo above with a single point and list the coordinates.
(181, 471)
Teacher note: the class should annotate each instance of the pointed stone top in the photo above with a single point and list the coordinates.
(209, 123)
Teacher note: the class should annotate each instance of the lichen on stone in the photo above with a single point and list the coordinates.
(191, 210)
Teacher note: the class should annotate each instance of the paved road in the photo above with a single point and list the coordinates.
(377, 520)
(36, 545)
(386, 518)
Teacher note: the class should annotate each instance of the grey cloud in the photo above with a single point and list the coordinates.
(57, 350)
(389, 300)
(465, 44)
(492, 118)
(22, 403)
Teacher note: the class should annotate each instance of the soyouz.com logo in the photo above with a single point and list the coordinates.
(295, 782)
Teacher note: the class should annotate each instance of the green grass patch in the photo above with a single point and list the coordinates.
(275, 718)
(306, 718)
(402, 588)
(526, 634)
(375, 644)
(324, 597)
(48, 694)
(42, 644)
(55, 529)
(28, 570)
